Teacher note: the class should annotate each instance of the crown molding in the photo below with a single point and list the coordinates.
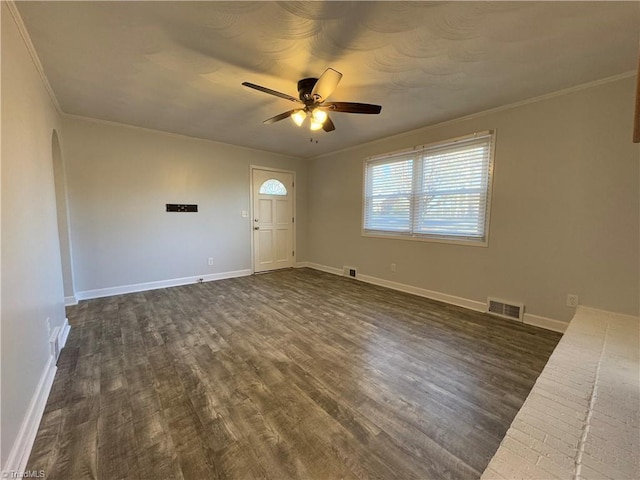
(509, 106)
(13, 9)
(182, 136)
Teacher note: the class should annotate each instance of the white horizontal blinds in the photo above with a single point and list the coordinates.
(452, 194)
(438, 191)
(388, 193)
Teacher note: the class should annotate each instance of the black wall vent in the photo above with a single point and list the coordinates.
(178, 207)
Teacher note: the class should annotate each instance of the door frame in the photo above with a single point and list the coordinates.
(252, 216)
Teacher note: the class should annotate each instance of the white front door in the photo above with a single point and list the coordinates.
(272, 220)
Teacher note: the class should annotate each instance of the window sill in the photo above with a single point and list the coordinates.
(419, 238)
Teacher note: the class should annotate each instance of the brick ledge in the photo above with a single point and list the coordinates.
(581, 420)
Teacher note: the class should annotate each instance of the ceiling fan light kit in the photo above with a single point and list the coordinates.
(312, 93)
(318, 115)
(299, 116)
(315, 125)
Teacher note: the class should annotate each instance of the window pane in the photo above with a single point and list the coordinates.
(388, 196)
(454, 191)
(450, 215)
(273, 187)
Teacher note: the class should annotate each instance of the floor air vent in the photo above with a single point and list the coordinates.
(349, 271)
(501, 308)
(54, 342)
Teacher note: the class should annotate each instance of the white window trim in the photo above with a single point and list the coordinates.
(425, 237)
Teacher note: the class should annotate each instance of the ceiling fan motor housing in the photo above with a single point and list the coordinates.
(305, 87)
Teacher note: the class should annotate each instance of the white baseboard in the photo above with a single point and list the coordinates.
(301, 265)
(19, 454)
(536, 320)
(69, 301)
(423, 292)
(64, 333)
(544, 322)
(324, 268)
(174, 282)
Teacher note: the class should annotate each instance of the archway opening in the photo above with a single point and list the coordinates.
(63, 218)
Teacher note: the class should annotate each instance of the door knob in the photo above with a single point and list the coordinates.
(256, 228)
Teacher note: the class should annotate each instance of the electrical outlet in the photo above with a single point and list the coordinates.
(393, 267)
(572, 300)
(210, 261)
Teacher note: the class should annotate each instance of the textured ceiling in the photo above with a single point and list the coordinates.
(178, 66)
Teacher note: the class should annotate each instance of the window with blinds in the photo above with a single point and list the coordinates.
(436, 192)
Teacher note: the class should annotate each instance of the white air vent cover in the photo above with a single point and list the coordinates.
(54, 342)
(505, 309)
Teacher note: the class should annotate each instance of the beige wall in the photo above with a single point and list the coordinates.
(31, 288)
(564, 219)
(120, 178)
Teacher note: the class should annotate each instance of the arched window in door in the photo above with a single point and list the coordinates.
(273, 187)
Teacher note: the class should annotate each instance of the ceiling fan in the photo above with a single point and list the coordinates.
(312, 96)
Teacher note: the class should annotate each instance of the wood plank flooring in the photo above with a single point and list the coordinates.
(295, 374)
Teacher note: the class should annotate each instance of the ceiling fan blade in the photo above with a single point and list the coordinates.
(351, 107)
(328, 125)
(271, 92)
(277, 118)
(326, 84)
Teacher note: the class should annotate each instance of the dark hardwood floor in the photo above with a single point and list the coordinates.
(291, 374)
